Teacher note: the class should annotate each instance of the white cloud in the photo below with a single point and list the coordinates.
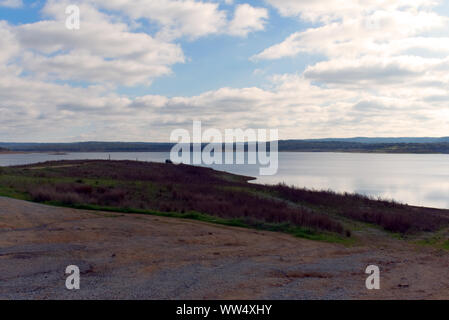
(11, 3)
(103, 50)
(370, 70)
(8, 43)
(329, 10)
(379, 32)
(176, 18)
(248, 19)
(190, 18)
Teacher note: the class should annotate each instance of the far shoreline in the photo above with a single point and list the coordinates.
(168, 151)
(14, 152)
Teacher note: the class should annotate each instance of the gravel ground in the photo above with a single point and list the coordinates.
(144, 257)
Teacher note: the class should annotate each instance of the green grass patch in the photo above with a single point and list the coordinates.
(439, 240)
(6, 191)
(445, 245)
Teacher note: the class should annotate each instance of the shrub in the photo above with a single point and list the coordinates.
(85, 189)
(42, 194)
(69, 198)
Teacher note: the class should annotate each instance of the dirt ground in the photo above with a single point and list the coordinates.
(127, 256)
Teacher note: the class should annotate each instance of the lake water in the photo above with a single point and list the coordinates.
(415, 179)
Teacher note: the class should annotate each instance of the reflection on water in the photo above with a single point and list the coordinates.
(409, 178)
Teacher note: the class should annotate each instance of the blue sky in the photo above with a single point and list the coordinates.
(138, 69)
(27, 13)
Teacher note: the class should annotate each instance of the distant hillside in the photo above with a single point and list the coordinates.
(89, 147)
(363, 145)
(385, 140)
(342, 146)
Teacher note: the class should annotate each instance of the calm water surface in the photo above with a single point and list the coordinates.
(409, 178)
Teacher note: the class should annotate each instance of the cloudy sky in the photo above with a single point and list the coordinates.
(137, 69)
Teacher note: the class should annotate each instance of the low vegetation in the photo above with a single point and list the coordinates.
(201, 193)
(390, 215)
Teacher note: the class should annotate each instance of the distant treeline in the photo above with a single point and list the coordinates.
(323, 145)
(341, 146)
(384, 140)
(89, 147)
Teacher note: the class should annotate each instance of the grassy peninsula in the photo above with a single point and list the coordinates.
(204, 194)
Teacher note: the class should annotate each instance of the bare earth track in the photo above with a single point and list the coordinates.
(129, 256)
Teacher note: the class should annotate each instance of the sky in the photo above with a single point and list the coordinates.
(136, 70)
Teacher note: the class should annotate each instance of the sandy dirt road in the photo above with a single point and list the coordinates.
(127, 256)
